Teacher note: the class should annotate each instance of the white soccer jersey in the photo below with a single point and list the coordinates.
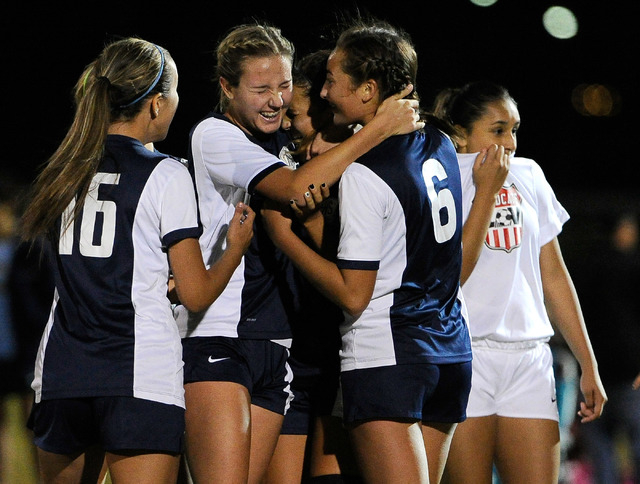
(111, 331)
(227, 166)
(504, 292)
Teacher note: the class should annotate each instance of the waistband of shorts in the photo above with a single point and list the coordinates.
(507, 345)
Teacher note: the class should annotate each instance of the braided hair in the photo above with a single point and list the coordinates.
(380, 51)
(374, 49)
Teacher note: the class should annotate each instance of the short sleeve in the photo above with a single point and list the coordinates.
(552, 215)
(362, 213)
(229, 156)
(179, 215)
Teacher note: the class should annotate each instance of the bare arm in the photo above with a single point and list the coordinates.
(350, 289)
(197, 287)
(394, 116)
(564, 311)
(311, 215)
(326, 139)
(489, 173)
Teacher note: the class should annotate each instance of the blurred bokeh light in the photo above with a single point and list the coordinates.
(483, 3)
(560, 22)
(596, 100)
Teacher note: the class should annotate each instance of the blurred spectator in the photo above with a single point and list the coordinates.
(567, 375)
(26, 293)
(7, 338)
(31, 292)
(9, 380)
(612, 305)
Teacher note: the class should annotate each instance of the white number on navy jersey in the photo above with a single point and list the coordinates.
(92, 206)
(440, 200)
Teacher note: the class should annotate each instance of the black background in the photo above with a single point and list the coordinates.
(590, 161)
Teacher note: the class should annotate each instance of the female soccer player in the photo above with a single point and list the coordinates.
(515, 284)
(315, 342)
(405, 357)
(118, 218)
(236, 376)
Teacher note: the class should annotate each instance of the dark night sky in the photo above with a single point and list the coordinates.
(45, 49)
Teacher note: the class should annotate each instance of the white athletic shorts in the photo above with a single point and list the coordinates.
(512, 380)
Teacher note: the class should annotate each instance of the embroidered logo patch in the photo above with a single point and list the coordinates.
(505, 229)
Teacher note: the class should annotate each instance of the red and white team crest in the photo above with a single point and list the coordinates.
(505, 229)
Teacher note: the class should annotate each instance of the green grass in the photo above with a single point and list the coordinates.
(17, 462)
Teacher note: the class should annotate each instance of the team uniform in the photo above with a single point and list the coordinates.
(111, 331)
(408, 354)
(314, 358)
(512, 366)
(250, 317)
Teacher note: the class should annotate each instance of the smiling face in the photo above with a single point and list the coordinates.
(498, 125)
(258, 103)
(347, 101)
(298, 116)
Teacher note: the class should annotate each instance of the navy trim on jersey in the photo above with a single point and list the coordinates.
(178, 235)
(361, 265)
(263, 174)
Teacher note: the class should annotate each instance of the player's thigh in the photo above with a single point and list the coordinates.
(215, 406)
(288, 457)
(218, 430)
(437, 441)
(390, 451)
(330, 449)
(148, 468)
(528, 450)
(265, 430)
(287, 462)
(80, 467)
(470, 459)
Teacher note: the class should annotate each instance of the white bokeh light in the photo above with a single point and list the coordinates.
(560, 22)
(483, 3)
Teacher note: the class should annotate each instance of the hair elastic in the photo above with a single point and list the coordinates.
(153, 84)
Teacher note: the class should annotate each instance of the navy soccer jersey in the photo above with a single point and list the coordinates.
(401, 214)
(228, 164)
(111, 330)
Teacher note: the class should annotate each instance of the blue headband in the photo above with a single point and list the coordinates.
(153, 84)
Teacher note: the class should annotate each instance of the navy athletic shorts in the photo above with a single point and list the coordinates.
(314, 396)
(259, 365)
(71, 425)
(299, 417)
(425, 392)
